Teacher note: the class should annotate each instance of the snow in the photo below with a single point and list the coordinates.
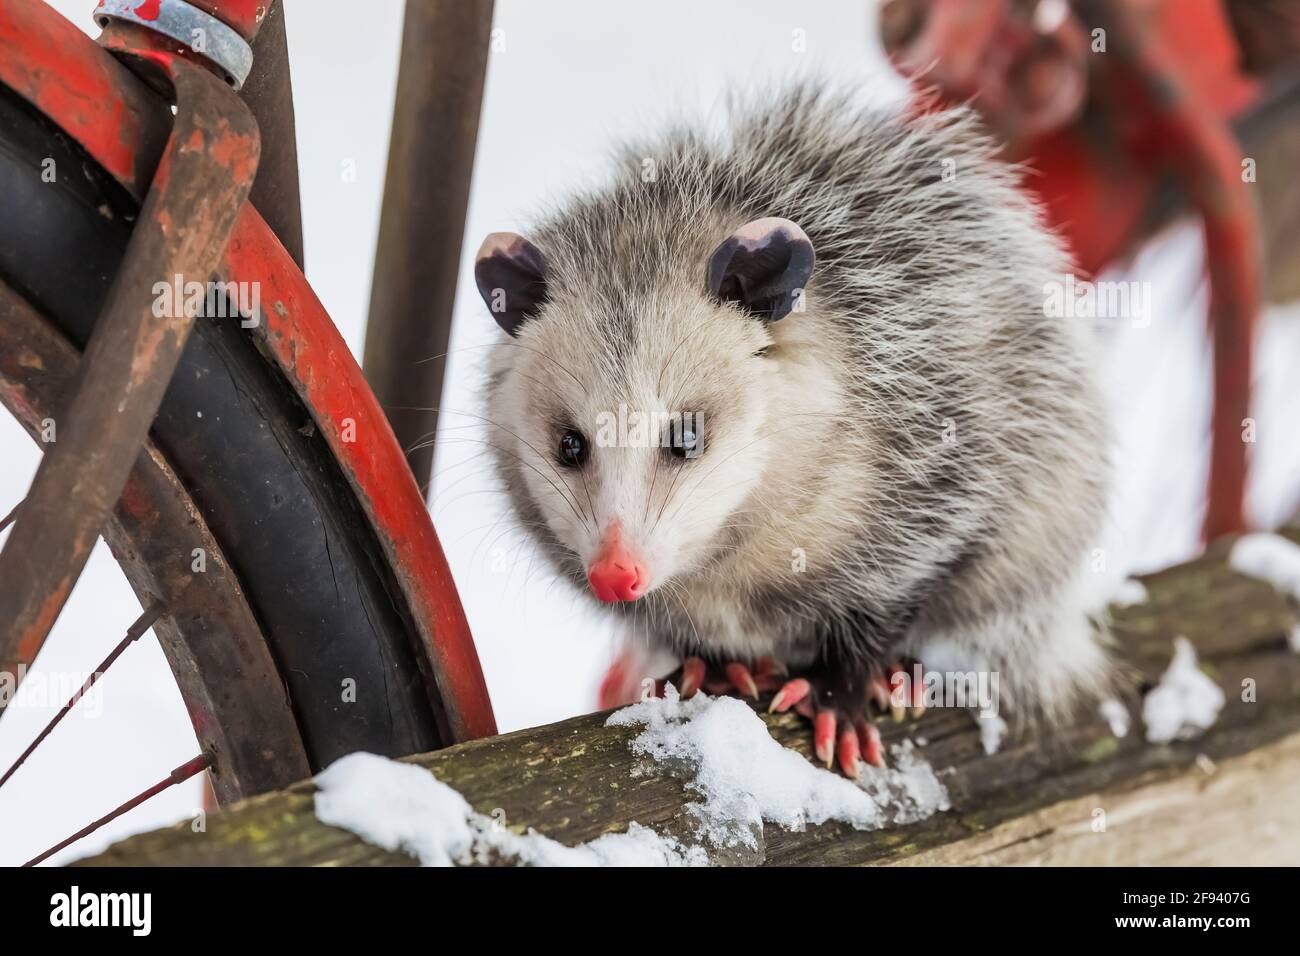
(1131, 591)
(1274, 559)
(1116, 714)
(744, 777)
(397, 806)
(403, 807)
(1185, 703)
(1269, 557)
(992, 729)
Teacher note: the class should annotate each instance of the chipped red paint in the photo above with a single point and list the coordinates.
(47, 61)
(148, 9)
(236, 153)
(300, 335)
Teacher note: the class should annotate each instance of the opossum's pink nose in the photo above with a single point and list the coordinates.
(617, 574)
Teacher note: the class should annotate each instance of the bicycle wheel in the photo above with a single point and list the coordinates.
(309, 610)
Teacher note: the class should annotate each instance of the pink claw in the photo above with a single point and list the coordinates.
(873, 751)
(789, 695)
(692, 677)
(742, 679)
(849, 753)
(824, 736)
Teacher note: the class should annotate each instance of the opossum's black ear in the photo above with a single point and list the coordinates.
(763, 266)
(511, 276)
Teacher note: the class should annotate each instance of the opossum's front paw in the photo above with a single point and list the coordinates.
(725, 678)
(840, 705)
(842, 728)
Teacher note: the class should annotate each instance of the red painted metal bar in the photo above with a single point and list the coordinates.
(195, 195)
(44, 59)
(301, 339)
(133, 634)
(179, 775)
(1207, 159)
(1160, 96)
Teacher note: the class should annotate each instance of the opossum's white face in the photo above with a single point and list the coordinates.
(636, 439)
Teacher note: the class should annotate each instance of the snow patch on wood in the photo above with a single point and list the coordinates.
(403, 807)
(1271, 558)
(744, 778)
(1116, 715)
(1185, 703)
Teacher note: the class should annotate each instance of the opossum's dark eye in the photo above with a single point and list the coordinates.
(573, 448)
(686, 437)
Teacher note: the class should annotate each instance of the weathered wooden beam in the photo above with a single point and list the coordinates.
(1033, 801)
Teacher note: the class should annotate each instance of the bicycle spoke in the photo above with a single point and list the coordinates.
(134, 633)
(179, 775)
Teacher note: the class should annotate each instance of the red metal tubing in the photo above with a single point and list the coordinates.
(1206, 157)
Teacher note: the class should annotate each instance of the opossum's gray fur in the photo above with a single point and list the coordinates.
(916, 461)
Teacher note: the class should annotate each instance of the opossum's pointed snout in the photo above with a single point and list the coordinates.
(617, 574)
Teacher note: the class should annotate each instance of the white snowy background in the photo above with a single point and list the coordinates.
(568, 78)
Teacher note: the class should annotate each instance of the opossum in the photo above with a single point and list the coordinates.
(788, 398)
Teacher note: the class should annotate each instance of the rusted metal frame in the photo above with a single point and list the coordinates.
(1202, 151)
(179, 775)
(421, 229)
(196, 193)
(269, 94)
(302, 340)
(232, 688)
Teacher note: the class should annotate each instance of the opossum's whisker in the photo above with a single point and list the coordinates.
(523, 441)
(562, 492)
(716, 466)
